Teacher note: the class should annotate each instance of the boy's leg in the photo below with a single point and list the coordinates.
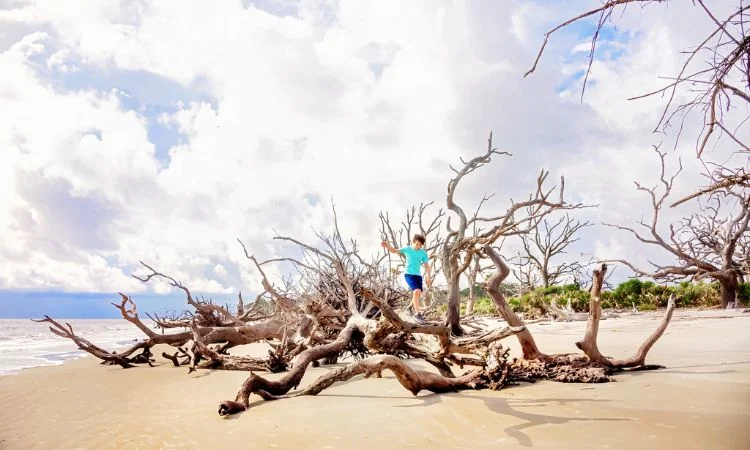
(416, 294)
(417, 289)
(415, 301)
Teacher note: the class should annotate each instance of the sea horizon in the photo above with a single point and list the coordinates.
(35, 304)
(27, 344)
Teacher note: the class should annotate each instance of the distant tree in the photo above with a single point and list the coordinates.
(547, 241)
(710, 244)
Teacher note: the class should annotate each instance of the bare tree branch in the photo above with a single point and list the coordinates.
(705, 245)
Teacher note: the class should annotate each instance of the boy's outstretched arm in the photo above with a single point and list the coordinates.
(389, 247)
(427, 274)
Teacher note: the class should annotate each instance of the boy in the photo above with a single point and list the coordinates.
(416, 257)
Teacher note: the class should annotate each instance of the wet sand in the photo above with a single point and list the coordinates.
(701, 401)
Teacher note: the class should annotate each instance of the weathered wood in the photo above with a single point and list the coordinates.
(589, 345)
(528, 345)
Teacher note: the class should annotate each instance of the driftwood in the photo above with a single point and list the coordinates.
(175, 358)
(571, 366)
(106, 356)
(495, 370)
(343, 308)
(306, 331)
(589, 345)
(567, 314)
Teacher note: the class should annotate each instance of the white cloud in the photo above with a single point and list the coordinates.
(365, 102)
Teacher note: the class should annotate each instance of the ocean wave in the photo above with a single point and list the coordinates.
(26, 344)
(13, 365)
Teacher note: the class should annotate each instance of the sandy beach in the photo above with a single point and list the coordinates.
(700, 401)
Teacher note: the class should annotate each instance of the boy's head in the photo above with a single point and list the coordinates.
(417, 241)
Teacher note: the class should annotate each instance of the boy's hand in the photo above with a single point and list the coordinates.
(384, 244)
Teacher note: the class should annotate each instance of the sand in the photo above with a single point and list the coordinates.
(701, 401)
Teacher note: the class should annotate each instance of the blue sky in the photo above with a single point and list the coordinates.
(148, 94)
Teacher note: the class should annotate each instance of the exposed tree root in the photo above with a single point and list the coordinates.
(269, 389)
(494, 375)
(186, 358)
(562, 368)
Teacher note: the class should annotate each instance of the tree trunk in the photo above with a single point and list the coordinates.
(528, 346)
(240, 306)
(453, 318)
(589, 345)
(453, 315)
(472, 278)
(729, 292)
(470, 301)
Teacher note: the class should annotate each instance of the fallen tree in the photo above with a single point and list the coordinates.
(492, 371)
(342, 308)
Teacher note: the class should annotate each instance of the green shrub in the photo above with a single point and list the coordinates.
(483, 306)
(744, 294)
(515, 304)
(645, 295)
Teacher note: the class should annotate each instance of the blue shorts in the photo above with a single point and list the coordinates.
(414, 281)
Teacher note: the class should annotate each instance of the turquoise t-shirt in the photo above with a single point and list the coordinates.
(414, 259)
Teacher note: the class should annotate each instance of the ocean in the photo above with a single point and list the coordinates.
(25, 344)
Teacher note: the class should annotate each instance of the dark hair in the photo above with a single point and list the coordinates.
(419, 238)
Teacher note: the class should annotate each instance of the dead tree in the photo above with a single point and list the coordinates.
(340, 306)
(583, 277)
(388, 335)
(715, 76)
(524, 272)
(588, 344)
(705, 245)
(106, 356)
(475, 268)
(546, 241)
(416, 221)
(485, 353)
(564, 365)
(212, 324)
(715, 80)
(461, 242)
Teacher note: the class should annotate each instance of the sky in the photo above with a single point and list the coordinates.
(164, 131)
